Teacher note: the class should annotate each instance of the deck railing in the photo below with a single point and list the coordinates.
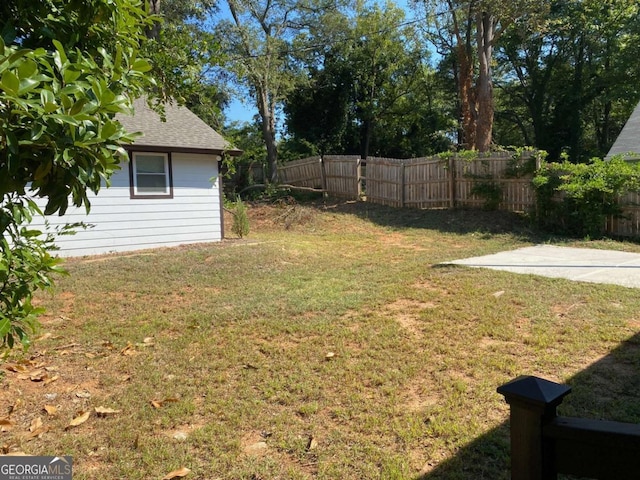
(544, 445)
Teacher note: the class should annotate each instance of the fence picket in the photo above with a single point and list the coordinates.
(432, 182)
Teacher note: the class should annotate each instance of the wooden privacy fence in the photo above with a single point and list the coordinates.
(544, 444)
(494, 181)
(628, 225)
(336, 175)
(432, 182)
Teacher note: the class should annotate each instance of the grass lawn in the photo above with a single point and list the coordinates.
(328, 344)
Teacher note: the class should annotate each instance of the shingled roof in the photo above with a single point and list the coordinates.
(183, 130)
(629, 138)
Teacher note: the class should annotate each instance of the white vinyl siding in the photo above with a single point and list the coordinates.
(121, 223)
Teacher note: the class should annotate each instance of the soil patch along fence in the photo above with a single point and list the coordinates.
(499, 180)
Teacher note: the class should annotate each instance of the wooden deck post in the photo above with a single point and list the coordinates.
(533, 403)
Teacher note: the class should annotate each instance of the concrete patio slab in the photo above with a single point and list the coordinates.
(580, 264)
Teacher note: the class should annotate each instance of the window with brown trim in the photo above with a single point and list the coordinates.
(150, 175)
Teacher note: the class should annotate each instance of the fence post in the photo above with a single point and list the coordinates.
(323, 178)
(452, 181)
(402, 185)
(533, 403)
(359, 177)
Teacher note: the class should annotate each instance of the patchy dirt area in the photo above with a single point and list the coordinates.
(48, 391)
(324, 341)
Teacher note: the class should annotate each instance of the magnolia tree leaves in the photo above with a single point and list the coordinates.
(58, 133)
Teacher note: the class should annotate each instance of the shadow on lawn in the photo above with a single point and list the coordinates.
(609, 389)
(461, 221)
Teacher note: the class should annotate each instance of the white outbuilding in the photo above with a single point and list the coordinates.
(168, 193)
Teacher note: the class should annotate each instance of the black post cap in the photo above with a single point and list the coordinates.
(535, 391)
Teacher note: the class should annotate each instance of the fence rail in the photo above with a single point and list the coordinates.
(437, 182)
(430, 182)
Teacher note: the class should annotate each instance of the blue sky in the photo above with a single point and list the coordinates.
(239, 111)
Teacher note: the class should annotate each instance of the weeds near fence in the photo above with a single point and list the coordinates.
(577, 199)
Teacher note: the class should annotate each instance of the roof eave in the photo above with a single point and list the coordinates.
(204, 151)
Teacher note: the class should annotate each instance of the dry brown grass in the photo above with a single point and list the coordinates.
(328, 344)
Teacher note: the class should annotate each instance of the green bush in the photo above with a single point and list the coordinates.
(240, 218)
(25, 266)
(576, 199)
(490, 191)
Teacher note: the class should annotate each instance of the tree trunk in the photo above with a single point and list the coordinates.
(466, 91)
(484, 126)
(268, 132)
(468, 112)
(153, 31)
(576, 104)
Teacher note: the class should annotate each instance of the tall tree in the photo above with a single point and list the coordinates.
(258, 40)
(471, 29)
(572, 87)
(185, 55)
(368, 90)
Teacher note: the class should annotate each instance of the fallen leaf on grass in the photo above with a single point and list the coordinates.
(36, 423)
(146, 342)
(12, 367)
(128, 350)
(50, 409)
(180, 436)
(161, 403)
(36, 428)
(38, 375)
(498, 294)
(51, 380)
(5, 424)
(67, 347)
(37, 433)
(83, 394)
(181, 472)
(80, 419)
(313, 444)
(104, 411)
(329, 355)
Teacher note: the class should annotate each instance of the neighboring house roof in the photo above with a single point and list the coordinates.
(183, 130)
(629, 138)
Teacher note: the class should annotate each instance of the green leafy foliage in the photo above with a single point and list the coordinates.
(572, 88)
(66, 70)
(490, 191)
(576, 199)
(524, 161)
(240, 219)
(26, 265)
(247, 169)
(183, 51)
(370, 91)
